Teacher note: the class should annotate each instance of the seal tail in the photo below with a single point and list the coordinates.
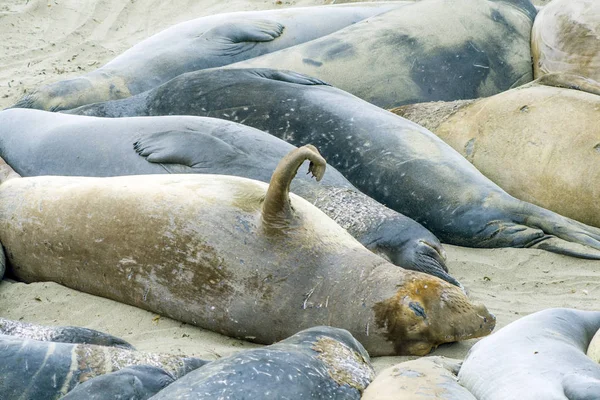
(277, 209)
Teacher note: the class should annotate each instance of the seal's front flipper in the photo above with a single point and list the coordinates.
(287, 76)
(259, 30)
(277, 210)
(581, 387)
(189, 148)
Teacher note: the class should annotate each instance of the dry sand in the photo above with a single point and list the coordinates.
(46, 41)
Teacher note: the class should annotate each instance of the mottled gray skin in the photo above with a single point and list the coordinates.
(538, 357)
(397, 162)
(73, 145)
(62, 334)
(132, 383)
(32, 369)
(319, 363)
(427, 51)
(205, 42)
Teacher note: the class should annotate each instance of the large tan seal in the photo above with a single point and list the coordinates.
(539, 142)
(229, 254)
(566, 38)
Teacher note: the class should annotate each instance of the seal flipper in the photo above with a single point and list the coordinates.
(569, 81)
(277, 209)
(286, 76)
(232, 38)
(581, 387)
(187, 148)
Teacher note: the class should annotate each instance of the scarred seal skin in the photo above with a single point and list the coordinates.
(540, 356)
(391, 159)
(206, 42)
(36, 143)
(320, 362)
(229, 254)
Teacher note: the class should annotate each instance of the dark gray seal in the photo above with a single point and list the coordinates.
(32, 369)
(393, 160)
(43, 143)
(540, 356)
(427, 51)
(204, 42)
(317, 363)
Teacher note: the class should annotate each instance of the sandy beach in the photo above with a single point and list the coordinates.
(49, 40)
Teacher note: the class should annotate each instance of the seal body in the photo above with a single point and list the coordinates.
(538, 142)
(593, 350)
(32, 369)
(540, 356)
(393, 160)
(228, 254)
(565, 39)
(320, 362)
(205, 42)
(83, 146)
(426, 51)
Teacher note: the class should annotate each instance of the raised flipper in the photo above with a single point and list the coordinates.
(570, 81)
(62, 334)
(285, 76)
(190, 148)
(277, 210)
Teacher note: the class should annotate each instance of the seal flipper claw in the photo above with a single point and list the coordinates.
(285, 76)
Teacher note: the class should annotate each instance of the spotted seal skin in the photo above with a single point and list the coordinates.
(564, 38)
(320, 362)
(72, 145)
(62, 334)
(229, 254)
(396, 162)
(539, 142)
(32, 369)
(204, 42)
(540, 356)
(427, 51)
(423, 379)
(139, 382)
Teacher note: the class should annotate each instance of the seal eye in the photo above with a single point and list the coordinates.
(417, 309)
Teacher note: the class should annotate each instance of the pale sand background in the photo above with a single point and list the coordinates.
(46, 41)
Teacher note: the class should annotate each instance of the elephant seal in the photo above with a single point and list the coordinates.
(426, 51)
(539, 142)
(228, 254)
(540, 356)
(423, 379)
(593, 350)
(33, 369)
(139, 382)
(395, 161)
(62, 334)
(205, 42)
(74, 145)
(316, 363)
(564, 38)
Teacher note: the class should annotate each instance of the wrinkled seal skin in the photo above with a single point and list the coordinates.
(565, 38)
(72, 145)
(317, 363)
(540, 356)
(62, 334)
(426, 51)
(539, 142)
(139, 382)
(32, 369)
(393, 160)
(423, 379)
(228, 254)
(205, 42)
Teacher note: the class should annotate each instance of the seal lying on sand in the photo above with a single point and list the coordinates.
(228, 254)
(317, 363)
(391, 159)
(423, 379)
(32, 369)
(205, 42)
(538, 142)
(540, 356)
(565, 38)
(42, 143)
(426, 51)
(62, 334)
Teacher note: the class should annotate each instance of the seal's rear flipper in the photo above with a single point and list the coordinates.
(286, 76)
(277, 210)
